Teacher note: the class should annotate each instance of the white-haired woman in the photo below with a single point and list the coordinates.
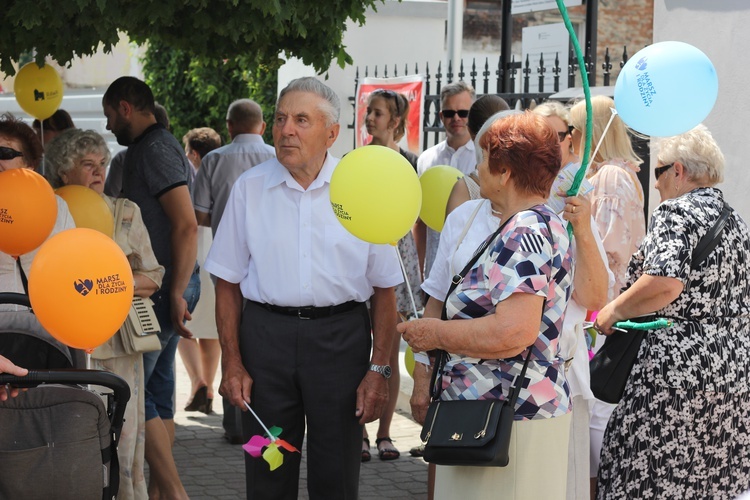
(79, 157)
(682, 429)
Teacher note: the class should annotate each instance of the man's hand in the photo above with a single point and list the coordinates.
(6, 366)
(420, 334)
(180, 314)
(372, 395)
(420, 394)
(235, 383)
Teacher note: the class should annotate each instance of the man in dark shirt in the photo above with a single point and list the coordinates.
(157, 177)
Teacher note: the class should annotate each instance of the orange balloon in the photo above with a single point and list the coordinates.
(88, 208)
(81, 287)
(28, 210)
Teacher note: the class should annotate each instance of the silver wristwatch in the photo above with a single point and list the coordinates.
(384, 370)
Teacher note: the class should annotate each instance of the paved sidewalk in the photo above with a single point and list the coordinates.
(211, 468)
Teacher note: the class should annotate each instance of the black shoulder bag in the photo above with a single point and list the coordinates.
(611, 366)
(470, 432)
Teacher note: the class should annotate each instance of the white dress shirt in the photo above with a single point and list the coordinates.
(453, 255)
(463, 158)
(284, 245)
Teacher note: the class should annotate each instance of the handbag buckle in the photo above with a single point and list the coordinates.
(456, 436)
(480, 434)
(457, 279)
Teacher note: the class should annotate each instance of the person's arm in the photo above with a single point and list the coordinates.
(144, 286)
(459, 194)
(591, 280)
(513, 328)
(420, 394)
(648, 294)
(7, 366)
(235, 381)
(372, 393)
(184, 240)
(203, 218)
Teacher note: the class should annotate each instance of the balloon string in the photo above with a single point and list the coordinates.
(601, 139)
(578, 179)
(406, 281)
(268, 433)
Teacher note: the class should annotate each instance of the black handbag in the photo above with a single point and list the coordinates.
(611, 366)
(470, 432)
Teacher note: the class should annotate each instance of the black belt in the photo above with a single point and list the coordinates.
(311, 312)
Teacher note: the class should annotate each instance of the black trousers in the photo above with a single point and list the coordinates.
(306, 371)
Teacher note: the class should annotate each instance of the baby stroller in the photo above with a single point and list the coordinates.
(56, 441)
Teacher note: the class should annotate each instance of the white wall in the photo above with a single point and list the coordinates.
(406, 33)
(719, 29)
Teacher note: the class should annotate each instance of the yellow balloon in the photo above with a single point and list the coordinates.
(375, 194)
(409, 361)
(39, 91)
(437, 183)
(88, 208)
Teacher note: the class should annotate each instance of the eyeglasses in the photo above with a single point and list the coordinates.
(571, 128)
(9, 153)
(450, 113)
(660, 170)
(391, 94)
(562, 135)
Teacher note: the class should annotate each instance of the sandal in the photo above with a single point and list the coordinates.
(366, 451)
(389, 452)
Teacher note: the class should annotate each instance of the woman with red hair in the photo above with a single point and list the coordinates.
(509, 304)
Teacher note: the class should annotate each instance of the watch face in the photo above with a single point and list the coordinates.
(387, 371)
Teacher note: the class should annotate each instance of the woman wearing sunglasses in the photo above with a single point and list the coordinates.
(20, 147)
(387, 112)
(682, 428)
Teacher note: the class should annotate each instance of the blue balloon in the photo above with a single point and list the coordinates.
(666, 89)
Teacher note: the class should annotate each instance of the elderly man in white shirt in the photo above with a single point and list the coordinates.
(300, 352)
(457, 150)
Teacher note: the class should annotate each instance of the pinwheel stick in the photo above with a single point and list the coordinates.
(268, 433)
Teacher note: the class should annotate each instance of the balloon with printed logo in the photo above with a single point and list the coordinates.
(81, 287)
(28, 210)
(375, 194)
(88, 208)
(39, 90)
(437, 183)
(666, 89)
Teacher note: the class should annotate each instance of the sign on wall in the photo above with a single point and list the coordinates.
(549, 40)
(412, 87)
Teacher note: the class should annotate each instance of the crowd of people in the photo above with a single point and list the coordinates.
(246, 265)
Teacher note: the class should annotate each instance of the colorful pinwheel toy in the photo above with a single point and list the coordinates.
(268, 446)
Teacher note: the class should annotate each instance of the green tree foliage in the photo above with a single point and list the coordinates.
(225, 29)
(197, 90)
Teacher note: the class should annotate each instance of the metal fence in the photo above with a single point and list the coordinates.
(490, 80)
(486, 79)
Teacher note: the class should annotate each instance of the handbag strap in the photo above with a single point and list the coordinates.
(442, 356)
(709, 241)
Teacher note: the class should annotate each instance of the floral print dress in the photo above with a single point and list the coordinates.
(682, 429)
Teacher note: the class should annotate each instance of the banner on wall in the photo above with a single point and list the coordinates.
(412, 87)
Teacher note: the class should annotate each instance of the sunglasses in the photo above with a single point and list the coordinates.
(391, 94)
(450, 113)
(9, 153)
(660, 170)
(562, 135)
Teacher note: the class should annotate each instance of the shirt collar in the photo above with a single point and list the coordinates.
(150, 129)
(247, 138)
(469, 146)
(281, 175)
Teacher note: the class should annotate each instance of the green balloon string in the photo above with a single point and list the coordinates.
(578, 179)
